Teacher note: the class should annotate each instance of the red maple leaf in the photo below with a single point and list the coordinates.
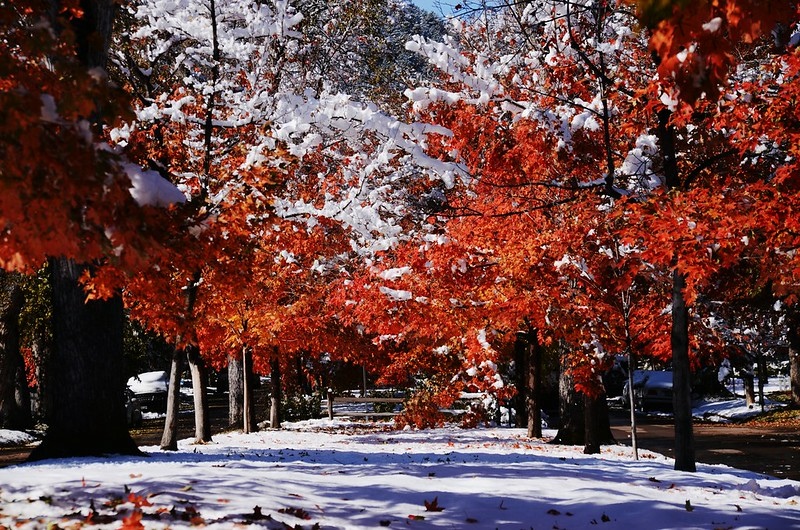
(433, 506)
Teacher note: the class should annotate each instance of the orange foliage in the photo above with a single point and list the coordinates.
(696, 40)
(62, 194)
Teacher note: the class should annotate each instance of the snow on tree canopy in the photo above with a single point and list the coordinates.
(148, 188)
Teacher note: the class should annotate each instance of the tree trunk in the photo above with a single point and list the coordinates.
(597, 424)
(793, 333)
(632, 401)
(762, 379)
(520, 380)
(169, 440)
(749, 380)
(22, 397)
(249, 416)
(591, 421)
(534, 385)
(202, 424)
(275, 393)
(235, 392)
(88, 409)
(681, 384)
(15, 405)
(570, 410)
(794, 359)
(241, 413)
(41, 349)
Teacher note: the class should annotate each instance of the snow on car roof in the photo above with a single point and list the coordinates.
(148, 382)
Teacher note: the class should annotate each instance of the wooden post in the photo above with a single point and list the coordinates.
(330, 404)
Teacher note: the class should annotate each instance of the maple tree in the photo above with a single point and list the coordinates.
(771, 146)
(71, 199)
(287, 177)
(528, 172)
(559, 182)
(562, 102)
(710, 204)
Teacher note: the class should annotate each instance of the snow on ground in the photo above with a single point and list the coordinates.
(727, 410)
(319, 474)
(339, 474)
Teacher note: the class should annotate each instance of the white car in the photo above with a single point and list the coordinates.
(150, 390)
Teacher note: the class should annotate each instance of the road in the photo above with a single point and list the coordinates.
(769, 450)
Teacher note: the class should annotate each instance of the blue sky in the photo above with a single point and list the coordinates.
(425, 4)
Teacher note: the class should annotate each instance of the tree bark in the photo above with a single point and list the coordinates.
(793, 333)
(249, 416)
(534, 385)
(41, 349)
(520, 380)
(681, 385)
(591, 422)
(202, 424)
(762, 379)
(275, 393)
(235, 392)
(15, 404)
(632, 401)
(241, 413)
(571, 427)
(748, 378)
(88, 412)
(169, 440)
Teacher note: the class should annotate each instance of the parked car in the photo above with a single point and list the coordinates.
(652, 390)
(150, 390)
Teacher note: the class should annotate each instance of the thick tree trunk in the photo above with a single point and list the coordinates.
(169, 440)
(793, 333)
(597, 424)
(571, 419)
(591, 420)
(202, 424)
(15, 405)
(235, 392)
(681, 374)
(794, 375)
(88, 409)
(534, 385)
(275, 394)
(88, 406)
